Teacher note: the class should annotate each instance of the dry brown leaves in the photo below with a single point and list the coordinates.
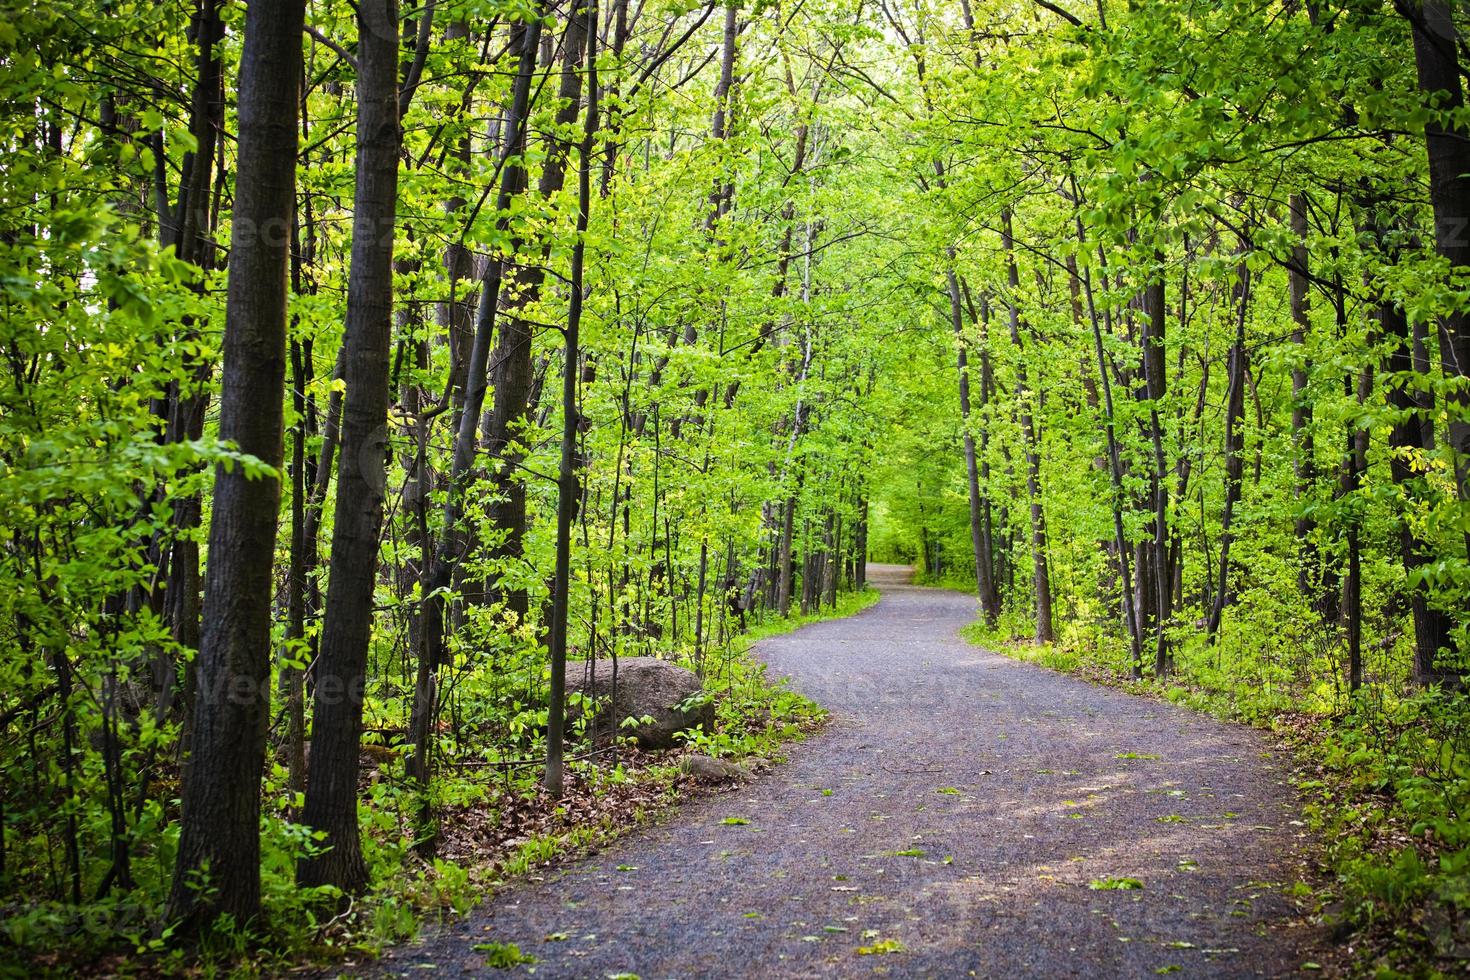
(485, 836)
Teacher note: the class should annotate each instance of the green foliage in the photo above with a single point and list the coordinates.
(503, 956)
(770, 354)
(1115, 884)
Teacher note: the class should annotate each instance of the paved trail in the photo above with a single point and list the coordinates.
(960, 804)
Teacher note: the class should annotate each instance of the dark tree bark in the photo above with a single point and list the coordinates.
(189, 231)
(979, 540)
(1436, 53)
(1115, 470)
(1301, 404)
(1432, 626)
(476, 372)
(331, 788)
(514, 370)
(219, 838)
(1040, 574)
(1156, 380)
(1447, 144)
(785, 568)
(568, 490)
(454, 318)
(1234, 444)
(293, 687)
(1354, 465)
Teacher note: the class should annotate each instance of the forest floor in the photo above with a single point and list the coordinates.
(962, 813)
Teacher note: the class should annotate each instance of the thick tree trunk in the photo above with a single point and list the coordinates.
(1447, 143)
(331, 788)
(219, 842)
(1436, 52)
(1432, 627)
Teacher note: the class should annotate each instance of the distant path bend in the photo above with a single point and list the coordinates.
(954, 813)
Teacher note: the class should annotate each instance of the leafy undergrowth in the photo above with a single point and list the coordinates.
(1386, 779)
(495, 824)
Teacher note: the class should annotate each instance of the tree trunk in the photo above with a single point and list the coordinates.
(331, 788)
(1432, 627)
(293, 688)
(1447, 143)
(1156, 379)
(1234, 443)
(568, 491)
(979, 540)
(514, 365)
(190, 233)
(1301, 405)
(219, 840)
(476, 371)
(785, 570)
(1040, 575)
(1115, 472)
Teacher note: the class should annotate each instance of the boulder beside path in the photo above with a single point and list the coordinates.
(647, 688)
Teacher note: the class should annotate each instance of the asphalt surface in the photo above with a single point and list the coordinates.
(960, 816)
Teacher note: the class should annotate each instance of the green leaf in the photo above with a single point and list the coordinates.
(1115, 884)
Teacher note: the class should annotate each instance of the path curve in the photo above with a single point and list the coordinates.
(1019, 786)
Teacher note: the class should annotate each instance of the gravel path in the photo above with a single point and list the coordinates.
(950, 821)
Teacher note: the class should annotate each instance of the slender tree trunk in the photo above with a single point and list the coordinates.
(219, 842)
(426, 635)
(292, 685)
(1234, 444)
(331, 789)
(514, 365)
(568, 491)
(1156, 376)
(476, 371)
(1115, 471)
(191, 230)
(984, 571)
(1301, 404)
(1354, 465)
(785, 570)
(1040, 575)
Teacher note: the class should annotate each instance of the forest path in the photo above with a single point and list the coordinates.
(959, 804)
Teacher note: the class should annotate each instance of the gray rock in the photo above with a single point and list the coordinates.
(646, 688)
(707, 769)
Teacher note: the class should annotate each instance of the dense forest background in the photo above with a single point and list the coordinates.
(363, 365)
